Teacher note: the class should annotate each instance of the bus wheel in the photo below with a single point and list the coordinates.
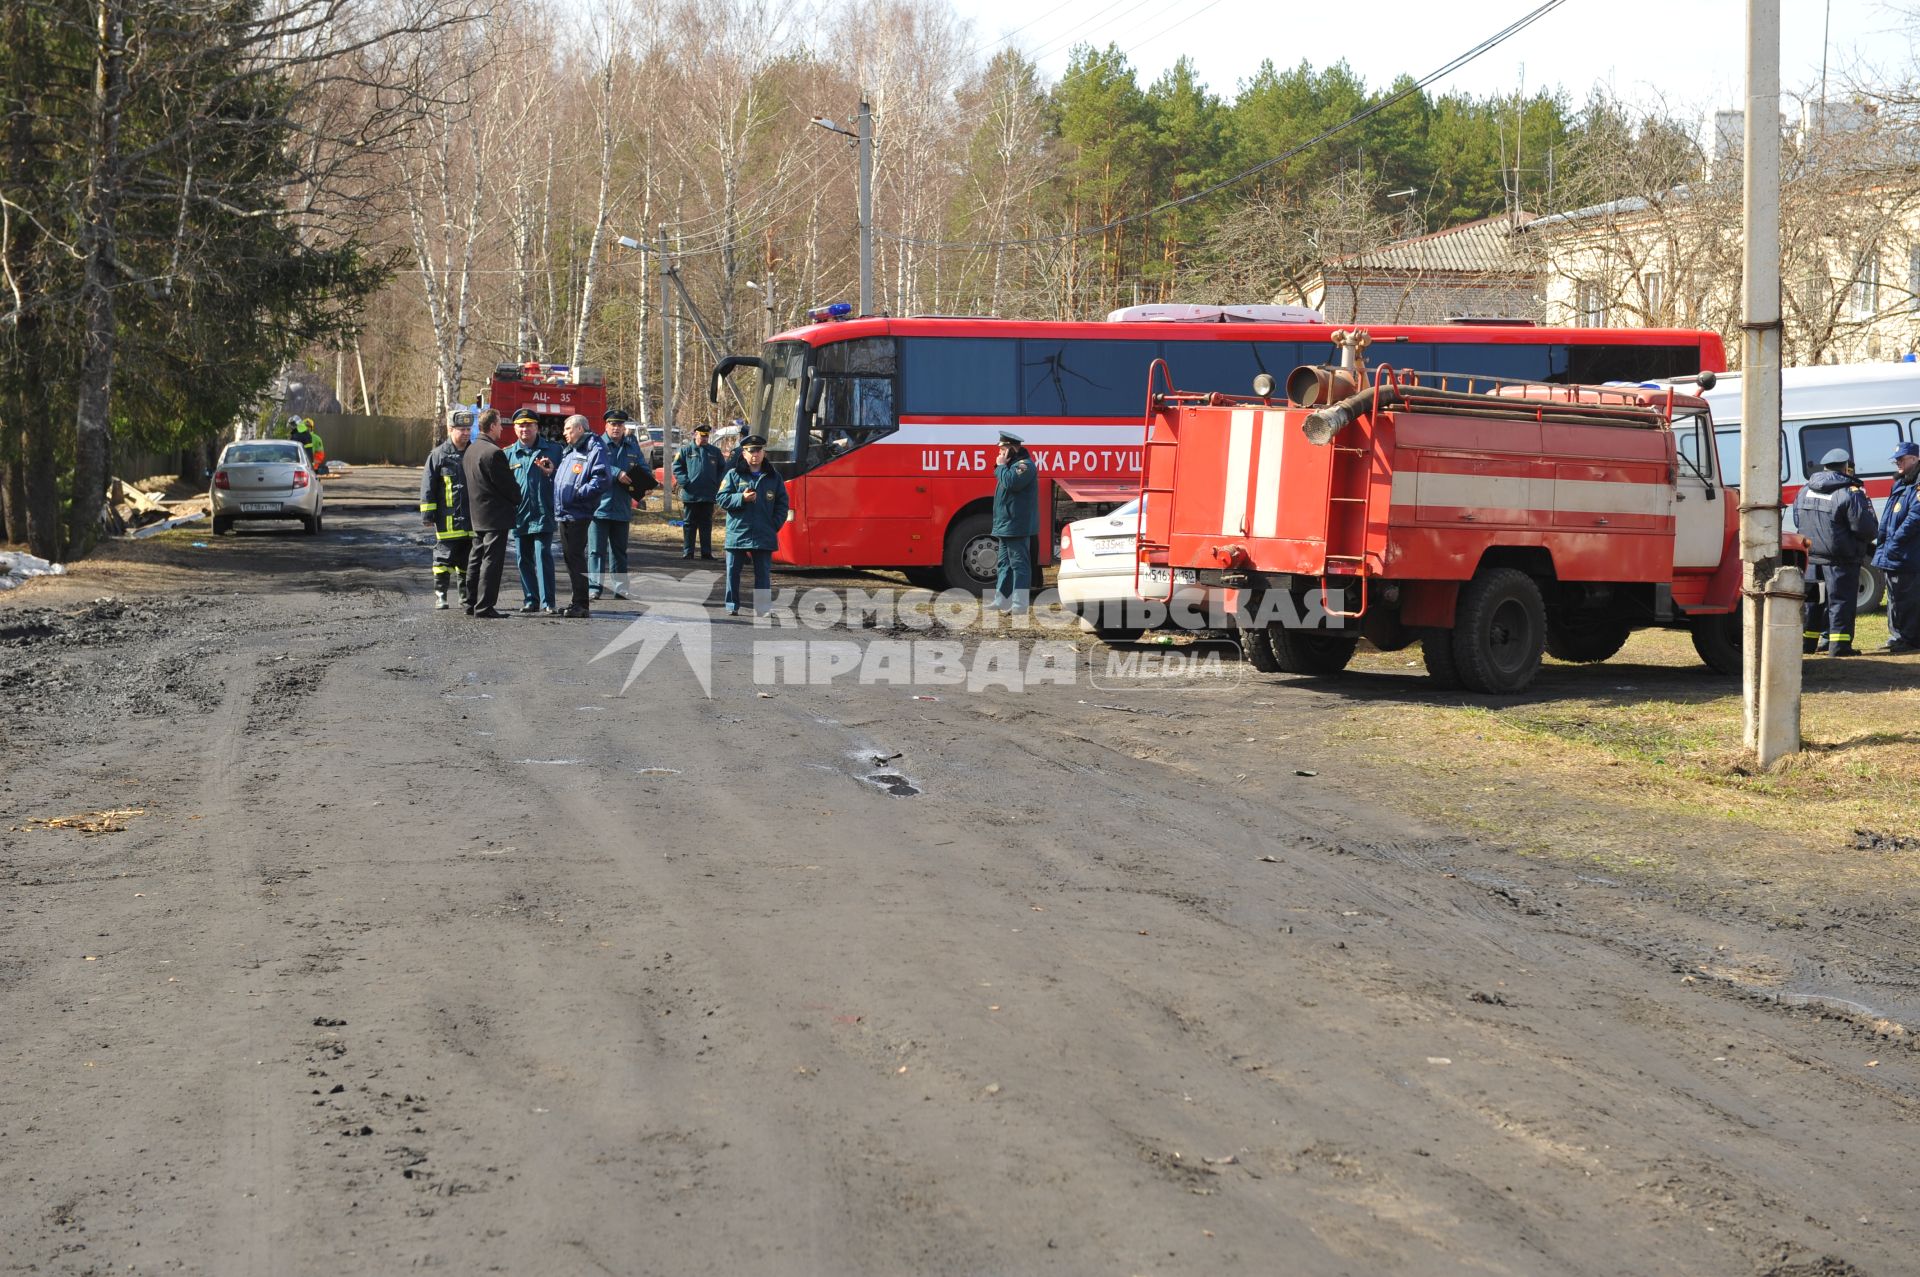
(1873, 589)
(1311, 651)
(1718, 641)
(972, 557)
(1499, 631)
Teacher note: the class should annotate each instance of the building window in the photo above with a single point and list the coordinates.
(1865, 298)
(1652, 288)
(1589, 304)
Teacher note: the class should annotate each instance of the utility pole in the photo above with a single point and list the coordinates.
(862, 135)
(864, 126)
(1770, 634)
(666, 365)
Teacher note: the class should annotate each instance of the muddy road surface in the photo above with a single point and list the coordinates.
(340, 935)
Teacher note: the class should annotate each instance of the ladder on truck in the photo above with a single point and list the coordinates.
(1349, 517)
(1143, 548)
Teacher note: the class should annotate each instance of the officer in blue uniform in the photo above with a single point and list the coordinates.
(534, 461)
(1016, 520)
(613, 518)
(1832, 512)
(755, 499)
(1899, 553)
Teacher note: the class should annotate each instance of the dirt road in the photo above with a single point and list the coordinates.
(419, 945)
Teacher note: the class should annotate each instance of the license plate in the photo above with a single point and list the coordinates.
(259, 507)
(1158, 576)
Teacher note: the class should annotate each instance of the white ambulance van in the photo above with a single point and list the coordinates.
(1864, 408)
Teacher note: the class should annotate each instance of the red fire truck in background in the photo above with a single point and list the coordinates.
(1492, 522)
(554, 391)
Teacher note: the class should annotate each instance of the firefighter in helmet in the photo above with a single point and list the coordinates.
(1832, 512)
(443, 507)
(301, 431)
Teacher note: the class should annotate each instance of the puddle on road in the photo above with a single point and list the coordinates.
(894, 783)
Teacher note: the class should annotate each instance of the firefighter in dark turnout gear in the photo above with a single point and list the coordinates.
(1832, 512)
(443, 507)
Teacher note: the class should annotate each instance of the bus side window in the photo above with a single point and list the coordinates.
(1095, 378)
(1229, 366)
(1488, 359)
(959, 376)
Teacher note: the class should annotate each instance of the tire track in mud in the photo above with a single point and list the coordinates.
(1436, 913)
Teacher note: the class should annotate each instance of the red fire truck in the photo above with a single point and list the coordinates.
(555, 391)
(1491, 521)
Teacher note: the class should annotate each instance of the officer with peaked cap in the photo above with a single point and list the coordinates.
(1832, 512)
(1016, 518)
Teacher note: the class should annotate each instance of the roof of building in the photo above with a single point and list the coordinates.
(1471, 248)
(1612, 208)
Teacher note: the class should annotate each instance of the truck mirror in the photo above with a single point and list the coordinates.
(815, 389)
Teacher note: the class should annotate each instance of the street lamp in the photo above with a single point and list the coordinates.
(862, 135)
(766, 295)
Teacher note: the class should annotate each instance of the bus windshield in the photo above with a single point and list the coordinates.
(779, 407)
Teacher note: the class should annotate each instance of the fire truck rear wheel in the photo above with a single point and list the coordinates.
(1258, 651)
(972, 555)
(1436, 647)
(1718, 641)
(1585, 640)
(1311, 651)
(1499, 631)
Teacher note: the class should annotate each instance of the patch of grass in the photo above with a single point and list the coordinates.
(1638, 765)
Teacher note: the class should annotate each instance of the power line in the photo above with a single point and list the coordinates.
(1491, 42)
(1178, 22)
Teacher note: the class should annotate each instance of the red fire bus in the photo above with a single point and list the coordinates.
(885, 428)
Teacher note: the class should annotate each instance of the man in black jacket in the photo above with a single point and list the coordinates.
(1832, 512)
(493, 498)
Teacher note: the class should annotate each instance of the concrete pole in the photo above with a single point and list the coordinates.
(1771, 685)
(864, 136)
(668, 496)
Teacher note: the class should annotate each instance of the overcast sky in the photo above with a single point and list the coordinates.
(1692, 53)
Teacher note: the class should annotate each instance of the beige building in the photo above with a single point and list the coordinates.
(1850, 261)
(1476, 269)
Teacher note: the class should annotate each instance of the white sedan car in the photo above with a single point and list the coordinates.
(266, 479)
(1097, 579)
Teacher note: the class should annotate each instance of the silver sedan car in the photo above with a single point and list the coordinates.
(266, 479)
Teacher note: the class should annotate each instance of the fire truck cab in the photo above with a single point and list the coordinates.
(1493, 521)
(554, 391)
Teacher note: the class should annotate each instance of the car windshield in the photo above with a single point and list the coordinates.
(258, 453)
(1131, 510)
